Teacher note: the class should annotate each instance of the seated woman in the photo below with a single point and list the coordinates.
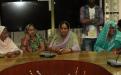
(64, 41)
(7, 46)
(106, 37)
(109, 38)
(32, 41)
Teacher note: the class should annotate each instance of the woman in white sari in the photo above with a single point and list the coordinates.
(64, 41)
(7, 46)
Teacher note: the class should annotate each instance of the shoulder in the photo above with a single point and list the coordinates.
(8, 39)
(38, 35)
(73, 34)
(39, 38)
(25, 37)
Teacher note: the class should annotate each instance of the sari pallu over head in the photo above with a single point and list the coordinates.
(70, 41)
(1, 29)
(57, 41)
(102, 42)
(7, 45)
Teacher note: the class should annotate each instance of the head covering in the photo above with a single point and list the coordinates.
(1, 29)
(63, 44)
(102, 43)
(7, 45)
(28, 26)
(66, 23)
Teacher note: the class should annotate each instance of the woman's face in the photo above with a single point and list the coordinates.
(31, 31)
(111, 31)
(4, 34)
(64, 30)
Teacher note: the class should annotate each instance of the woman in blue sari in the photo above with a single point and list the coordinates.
(106, 38)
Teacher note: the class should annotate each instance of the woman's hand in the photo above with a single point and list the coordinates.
(13, 54)
(10, 55)
(64, 50)
(117, 51)
(59, 50)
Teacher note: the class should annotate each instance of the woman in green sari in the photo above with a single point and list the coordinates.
(106, 38)
(32, 41)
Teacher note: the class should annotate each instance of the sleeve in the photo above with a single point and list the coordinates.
(13, 47)
(75, 46)
(98, 48)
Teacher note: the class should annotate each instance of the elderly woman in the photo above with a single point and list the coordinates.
(108, 39)
(7, 46)
(32, 41)
(64, 41)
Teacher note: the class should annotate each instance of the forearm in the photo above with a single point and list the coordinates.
(65, 50)
(85, 21)
(41, 47)
(14, 53)
(98, 49)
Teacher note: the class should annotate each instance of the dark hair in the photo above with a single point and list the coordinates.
(64, 22)
(119, 23)
(29, 25)
(91, 0)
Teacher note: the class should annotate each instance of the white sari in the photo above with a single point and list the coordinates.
(7, 45)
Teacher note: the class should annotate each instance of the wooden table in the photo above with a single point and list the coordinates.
(92, 57)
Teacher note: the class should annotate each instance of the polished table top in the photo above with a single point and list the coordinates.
(92, 57)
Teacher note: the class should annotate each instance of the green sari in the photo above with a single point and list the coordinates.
(102, 42)
(36, 43)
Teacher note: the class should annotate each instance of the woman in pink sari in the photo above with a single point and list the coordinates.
(64, 41)
(7, 46)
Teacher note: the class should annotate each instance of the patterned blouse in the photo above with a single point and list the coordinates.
(32, 44)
